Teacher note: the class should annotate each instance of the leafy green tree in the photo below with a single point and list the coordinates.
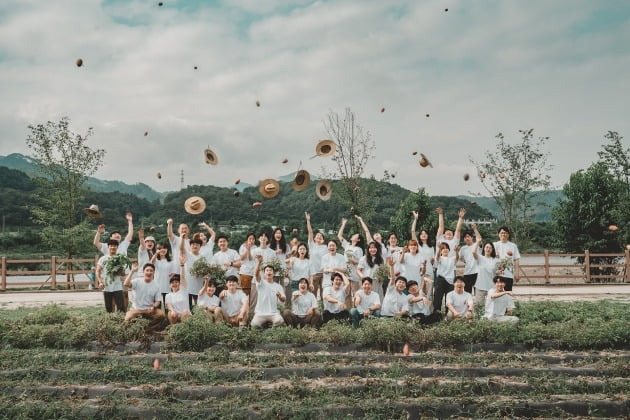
(64, 162)
(416, 201)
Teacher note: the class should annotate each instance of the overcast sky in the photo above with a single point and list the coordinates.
(482, 67)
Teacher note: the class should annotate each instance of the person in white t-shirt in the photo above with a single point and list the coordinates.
(445, 274)
(395, 302)
(147, 298)
(317, 249)
(110, 283)
(193, 254)
(447, 236)
(466, 255)
(175, 241)
(278, 243)
(367, 303)
(116, 235)
(377, 237)
(332, 263)
(269, 294)
(425, 247)
(413, 264)
(234, 303)
(500, 303)
(369, 263)
(177, 300)
(267, 254)
(508, 250)
(353, 251)
(335, 299)
(420, 305)
(210, 302)
(226, 257)
(207, 244)
(304, 310)
(164, 268)
(459, 302)
(146, 248)
(299, 267)
(247, 251)
(487, 270)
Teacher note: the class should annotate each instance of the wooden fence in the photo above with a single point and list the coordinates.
(74, 272)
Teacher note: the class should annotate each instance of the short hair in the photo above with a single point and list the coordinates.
(269, 266)
(222, 237)
(333, 240)
(467, 233)
(444, 245)
(303, 280)
(336, 274)
(368, 279)
(175, 277)
(148, 265)
(196, 241)
(411, 283)
(401, 278)
(112, 242)
(250, 234)
(211, 283)
(232, 278)
(459, 278)
(505, 228)
(115, 232)
(412, 242)
(496, 279)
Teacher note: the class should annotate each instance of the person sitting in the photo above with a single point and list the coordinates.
(148, 299)
(234, 303)
(209, 302)
(335, 298)
(395, 302)
(500, 303)
(420, 307)
(459, 302)
(304, 309)
(367, 303)
(269, 293)
(177, 301)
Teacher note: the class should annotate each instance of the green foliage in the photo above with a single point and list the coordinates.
(419, 202)
(197, 333)
(48, 315)
(385, 333)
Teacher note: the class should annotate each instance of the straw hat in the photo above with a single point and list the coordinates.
(195, 205)
(325, 148)
(301, 180)
(256, 204)
(211, 157)
(269, 188)
(424, 161)
(93, 212)
(323, 189)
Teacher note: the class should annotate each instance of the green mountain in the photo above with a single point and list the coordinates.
(543, 203)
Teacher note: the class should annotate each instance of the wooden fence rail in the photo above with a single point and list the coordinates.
(545, 270)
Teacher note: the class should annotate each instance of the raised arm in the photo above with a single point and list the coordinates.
(182, 270)
(460, 222)
(440, 213)
(392, 277)
(341, 229)
(182, 244)
(478, 237)
(97, 237)
(259, 259)
(475, 252)
(309, 228)
(169, 230)
(141, 245)
(413, 226)
(134, 270)
(368, 235)
(129, 218)
(208, 229)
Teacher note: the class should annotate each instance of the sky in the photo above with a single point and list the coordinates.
(480, 68)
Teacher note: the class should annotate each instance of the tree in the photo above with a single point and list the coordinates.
(64, 161)
(511, 173)
(401, 221)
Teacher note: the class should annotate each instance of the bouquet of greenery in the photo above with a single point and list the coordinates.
(382, 273)
(201, 268)
(505, 264)
(116, 266)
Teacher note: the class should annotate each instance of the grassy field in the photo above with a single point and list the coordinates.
(563, 360)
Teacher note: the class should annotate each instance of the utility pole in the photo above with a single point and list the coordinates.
(181, 179)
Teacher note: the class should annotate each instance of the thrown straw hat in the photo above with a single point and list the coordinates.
(211, 157)
(323, 189)
(195, 205)
(268, 188)
(301, 180)
(325, 148)
(93, 212)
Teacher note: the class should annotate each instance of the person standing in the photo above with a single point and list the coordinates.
(447, 236)
(466, 255)
(369, 263)
(487, 269)
(507, 250)
(116, 235)
(317, 249)
(445, 274)
(247, 251)
(353, 252)
(110, 283)
(425, 247)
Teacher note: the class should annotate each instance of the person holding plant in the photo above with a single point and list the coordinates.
(227, 258)
(487, 265)
(164, 268)
(192, 252)
(116, 235)
(445, 274)
(108, 277)
(459, 302)
(395, 303)
(335, 298)
(508, 254)
(234, 303)
(369, 265)
(332, 263)
(269, 294)
(500, 303)
(425, 247)
(304, 310)
(317, 249)
(210, 302)
(247, 251)
(147, 297)
(367, 303)
(177, 303)
(353, 252)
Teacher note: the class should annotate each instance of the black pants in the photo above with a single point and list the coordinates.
(442, 287)
(192, 298)
(509, 282)
(340, 316)
(117, 296)
(427, 319)
(469, 280)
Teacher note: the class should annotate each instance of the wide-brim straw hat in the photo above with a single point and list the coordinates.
(325, 148)
(93, 212)
(323, 189)
(269, 188)
(301, 180)
(424, 161)
(195, 205)
(211, 157)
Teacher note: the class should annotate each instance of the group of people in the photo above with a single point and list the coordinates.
(270, 281)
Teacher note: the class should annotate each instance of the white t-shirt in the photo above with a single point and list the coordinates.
(461, 302)
(427, 252)
(411, 266)
(316, 252)
(205, 301)
(178, 300)
(268, 254)
(303, 303)
(499, 306)
(207, 250)
(146, 294)
(122, 247)
(331, 261)
(281, 256)
(418, 307)
(354, 252)
(175, 245)
(163, 268)
(233, 302)
(110, 286)
(366, 269)
(226, 257)
(452, 243)
(487, 267)
(502, 249)
(367, 301)
(247, 265)
(267, 303)
(195, 283)
(300, 269)
(394, 302)
(340, 295)
(395, 254)
(446, 268)
(466, 254)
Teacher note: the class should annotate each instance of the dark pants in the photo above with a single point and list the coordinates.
(509, 282)
(469, 280)
(340, 316)
(442, 287)
(117, 297)
(427, 319)
(192, 298)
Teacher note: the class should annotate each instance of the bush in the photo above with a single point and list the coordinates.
(48, 315)
(197, 333)
(385, 333)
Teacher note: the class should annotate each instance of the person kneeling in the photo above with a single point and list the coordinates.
(335, 297)
(395, 302)
(459, 302)
(304, 310)
(234, 303)
(209, 302)
(420, 307)
(269, 294)
(500, 303)
(367, 303)
(177, 301)
(148, 298)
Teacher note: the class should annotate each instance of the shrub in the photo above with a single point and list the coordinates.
(197, 333)
(385, 333)
(48, 315)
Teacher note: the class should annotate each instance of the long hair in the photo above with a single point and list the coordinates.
(376, 259)
(281, 244)
(168, 251)
(493, 254)
(429, 242)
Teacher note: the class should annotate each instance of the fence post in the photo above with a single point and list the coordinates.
(3, 272)
(627, 265)
(547, 281)
(53, 273)
(587, 265)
